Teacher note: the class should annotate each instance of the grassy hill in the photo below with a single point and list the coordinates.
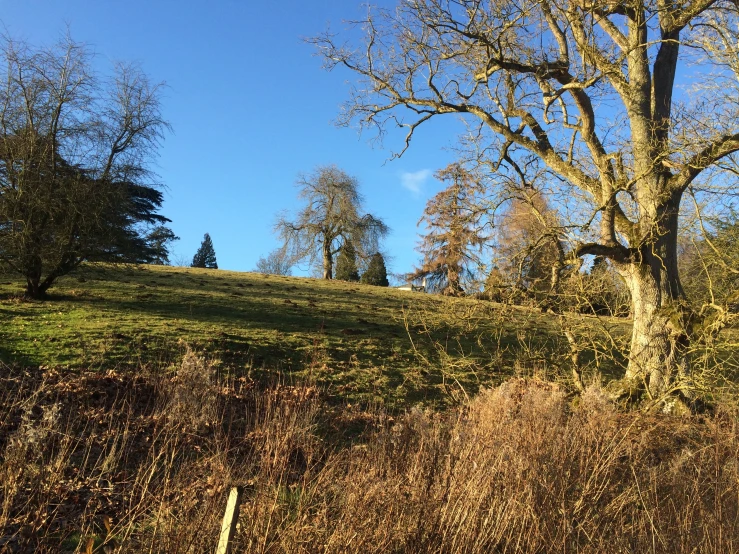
(98, 451)
(357, 341)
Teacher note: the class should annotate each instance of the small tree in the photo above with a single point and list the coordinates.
(206, 254)
(453, 220)
(332, 216)
(346, 263)
(376, 273)
(276, 263)
(529, 250)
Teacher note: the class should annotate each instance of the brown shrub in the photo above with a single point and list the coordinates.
(517, 470)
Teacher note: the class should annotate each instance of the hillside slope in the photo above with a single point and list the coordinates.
(357, 341)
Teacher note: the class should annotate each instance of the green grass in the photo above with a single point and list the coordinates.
(358, 342)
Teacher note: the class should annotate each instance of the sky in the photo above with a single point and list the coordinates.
(251, 108)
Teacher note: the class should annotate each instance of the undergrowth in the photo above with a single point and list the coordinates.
(143, 462)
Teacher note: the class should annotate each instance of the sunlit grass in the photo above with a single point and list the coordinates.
(357, 341)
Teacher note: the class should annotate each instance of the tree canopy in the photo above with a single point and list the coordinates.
(158, 243)
(376, 272)
(275, 263)
(331, 216)
(74, 154)
(454, 232)
(346, 263)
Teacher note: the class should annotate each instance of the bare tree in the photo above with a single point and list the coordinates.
(74, 183)
(331, 216)
(454, 231)
(588, 88)
(275, 263)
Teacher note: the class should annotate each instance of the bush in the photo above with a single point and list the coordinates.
(126, 459)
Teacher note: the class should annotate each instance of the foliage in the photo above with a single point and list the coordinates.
(376, 272)
(158, 241)
(276, 263)
(332, 216)
(205, 257)
(711, 262)
(346, 263)
(528, 245)
(74, 151)
(453, 221)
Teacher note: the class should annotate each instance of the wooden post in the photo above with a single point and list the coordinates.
(230, 518)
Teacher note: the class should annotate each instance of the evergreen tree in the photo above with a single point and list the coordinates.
(75, 150)
(376, 273)
(158, 245)
(206, 254)
(346, 263)
(452, 218)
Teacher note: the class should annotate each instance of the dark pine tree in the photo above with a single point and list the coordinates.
(346, 263)
(206, 254)
(158, 241)
(376, 273)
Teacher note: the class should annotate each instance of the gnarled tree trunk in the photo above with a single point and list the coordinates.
(660, 338)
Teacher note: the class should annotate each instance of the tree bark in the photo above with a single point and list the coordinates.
(660, 337)
(328, 262)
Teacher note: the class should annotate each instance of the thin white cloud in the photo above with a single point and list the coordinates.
(414, 180)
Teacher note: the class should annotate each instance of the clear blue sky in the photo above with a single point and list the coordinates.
(251, 108)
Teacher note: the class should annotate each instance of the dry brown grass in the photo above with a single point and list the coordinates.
(521, 468)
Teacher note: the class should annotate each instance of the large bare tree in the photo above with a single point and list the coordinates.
(332, 215)
(591, 89)
(74, 147)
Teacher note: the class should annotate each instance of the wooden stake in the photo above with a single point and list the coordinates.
(230, 518)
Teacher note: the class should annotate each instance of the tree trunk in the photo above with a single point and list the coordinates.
(328, 262)
(36, 289)
(658, 357)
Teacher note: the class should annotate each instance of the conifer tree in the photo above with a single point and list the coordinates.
(346, 263)
(158, 241)
(376, 273)
(529, 248)
(206, 254)
(75, 153)
(452, 218)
